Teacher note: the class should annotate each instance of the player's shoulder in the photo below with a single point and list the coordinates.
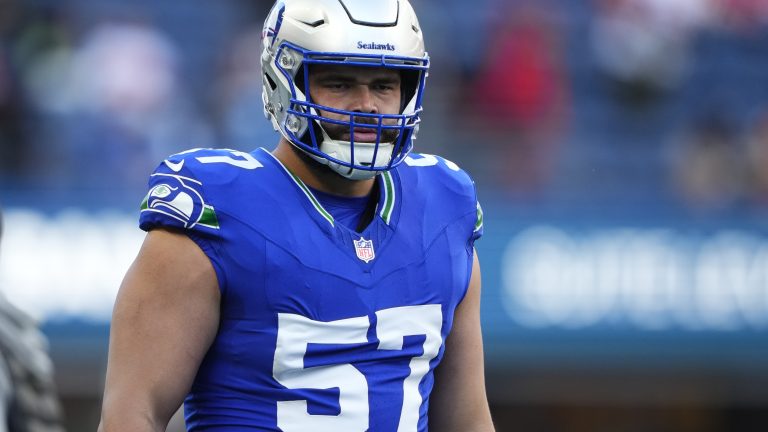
(199, 163)
(435, 171)
(212, 170)
(193, 186)
(441, 188)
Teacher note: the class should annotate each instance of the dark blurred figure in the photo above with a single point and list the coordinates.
(708, 165)
(643, 47)
(37, 42)
(757, 152)
(12, 137)
(519, 99)
(28, 399)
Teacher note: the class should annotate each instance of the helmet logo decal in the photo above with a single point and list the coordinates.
(364, 249)
(375, 46)
(271, 32)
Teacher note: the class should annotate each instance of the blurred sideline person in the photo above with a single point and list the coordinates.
(28, 399)
(330, 285)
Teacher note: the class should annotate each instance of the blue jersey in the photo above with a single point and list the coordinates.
(322, 328)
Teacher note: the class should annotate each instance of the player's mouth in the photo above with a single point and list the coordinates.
(364, 135)
(361, 132)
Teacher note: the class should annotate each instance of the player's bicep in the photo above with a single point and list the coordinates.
(165, 318)
(458, 401)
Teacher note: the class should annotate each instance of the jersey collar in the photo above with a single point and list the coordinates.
(387, 194)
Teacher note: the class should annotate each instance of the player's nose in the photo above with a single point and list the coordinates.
(365, 101)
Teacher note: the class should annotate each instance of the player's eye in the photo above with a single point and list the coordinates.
(385, 86)
(336, 85)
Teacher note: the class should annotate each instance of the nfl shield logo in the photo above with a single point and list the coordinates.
(364, 249)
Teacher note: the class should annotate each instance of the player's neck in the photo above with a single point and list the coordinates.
(318, 176)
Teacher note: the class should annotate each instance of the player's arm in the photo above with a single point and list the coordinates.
(165, 318)
(458, 401)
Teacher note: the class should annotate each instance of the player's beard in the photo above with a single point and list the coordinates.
(340, 132)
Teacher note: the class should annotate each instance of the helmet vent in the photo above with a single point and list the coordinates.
(372, 14)
(270, 82)
(314, 24)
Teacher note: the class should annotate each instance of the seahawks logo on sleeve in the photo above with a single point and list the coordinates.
(180, 199)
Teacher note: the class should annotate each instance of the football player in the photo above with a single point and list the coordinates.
(329, 285)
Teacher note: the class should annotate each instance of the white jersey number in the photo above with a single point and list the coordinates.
(427, 160)
(236, 158)
(295, 332)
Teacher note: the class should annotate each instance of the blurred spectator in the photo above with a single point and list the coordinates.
(708, 166)
(42, 49)
(643, 46)
(28, 399)
(743, 15)
(757, 151)
(519, 98)
(118, 109)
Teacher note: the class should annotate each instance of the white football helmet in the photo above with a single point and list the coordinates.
(364, 33)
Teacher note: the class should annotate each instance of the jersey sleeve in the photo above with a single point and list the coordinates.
(177, 199)
(467, 201)
(478, 230)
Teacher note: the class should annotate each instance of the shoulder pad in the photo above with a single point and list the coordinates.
(177, 188)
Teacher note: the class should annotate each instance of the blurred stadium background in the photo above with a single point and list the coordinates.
(620, 148)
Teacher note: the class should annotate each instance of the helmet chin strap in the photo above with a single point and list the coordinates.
(342, 150)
